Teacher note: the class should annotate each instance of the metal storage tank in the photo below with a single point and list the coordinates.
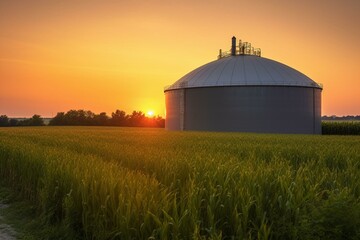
(244, 92)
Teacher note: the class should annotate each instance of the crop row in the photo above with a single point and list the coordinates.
(341, 127)
(118, 183)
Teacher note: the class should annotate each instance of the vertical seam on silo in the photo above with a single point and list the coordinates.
(212, 70)
(188, 76)
(181, 106)
(257, 74)
(290, 73)
(202, 71)
(222, 70)
(285, 75)
(232, 73)
(267, 70)
(244, 73)
(184, 99)
(313, 98)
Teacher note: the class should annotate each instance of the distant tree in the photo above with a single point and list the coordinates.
(24, 122)
(4, 121)
(13, 122)
(89, 118)
(137, 119)
(59, 119)
(160, 122)
(100, 119)
(334, 117)
(155, 122)
(119, 118)
(79, 118)
(76, 117)
(36, 120)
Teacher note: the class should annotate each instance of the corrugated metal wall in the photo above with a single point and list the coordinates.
(317, 112)
(265, 109)
(175, 109)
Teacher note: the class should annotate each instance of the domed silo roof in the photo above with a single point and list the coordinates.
(243, 70)
(244, 92)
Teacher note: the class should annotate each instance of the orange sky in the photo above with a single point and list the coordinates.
(57, 55)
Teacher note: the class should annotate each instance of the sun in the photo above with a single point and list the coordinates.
(150, 113)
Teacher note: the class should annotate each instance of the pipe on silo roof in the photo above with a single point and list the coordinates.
(233, 46)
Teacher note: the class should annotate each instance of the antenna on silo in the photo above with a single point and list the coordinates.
(233, 46)
(240, 47)
(220, 54)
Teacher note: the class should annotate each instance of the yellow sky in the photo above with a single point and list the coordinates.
(107, 55)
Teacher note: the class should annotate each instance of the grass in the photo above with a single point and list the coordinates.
(131, 183)
(20, 220)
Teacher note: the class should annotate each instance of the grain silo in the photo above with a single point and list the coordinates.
(244, 92)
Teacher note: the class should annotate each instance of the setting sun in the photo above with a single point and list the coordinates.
(150, 113)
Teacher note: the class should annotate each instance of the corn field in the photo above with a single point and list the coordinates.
(341, 127)
(131, 183)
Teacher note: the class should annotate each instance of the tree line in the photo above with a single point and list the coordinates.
(88, 118)
(35, 120)
(347, 118)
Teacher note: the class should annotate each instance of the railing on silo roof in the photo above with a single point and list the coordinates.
(244, 48)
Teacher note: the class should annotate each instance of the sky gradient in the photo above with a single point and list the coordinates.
(107, 55)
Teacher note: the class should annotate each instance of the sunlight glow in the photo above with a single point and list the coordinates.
(150, 113)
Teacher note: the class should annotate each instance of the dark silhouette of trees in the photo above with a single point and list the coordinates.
(79, 117)
(100, 119)
(137, 119)
(118, 118)
(59, 119)
(36, 120)
(347, 118)
(73, 118)
(4, 121)
(156, 122)
(13, 122)
(88, 118)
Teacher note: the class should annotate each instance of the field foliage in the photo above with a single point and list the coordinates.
(131, 183)
(340, 127)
